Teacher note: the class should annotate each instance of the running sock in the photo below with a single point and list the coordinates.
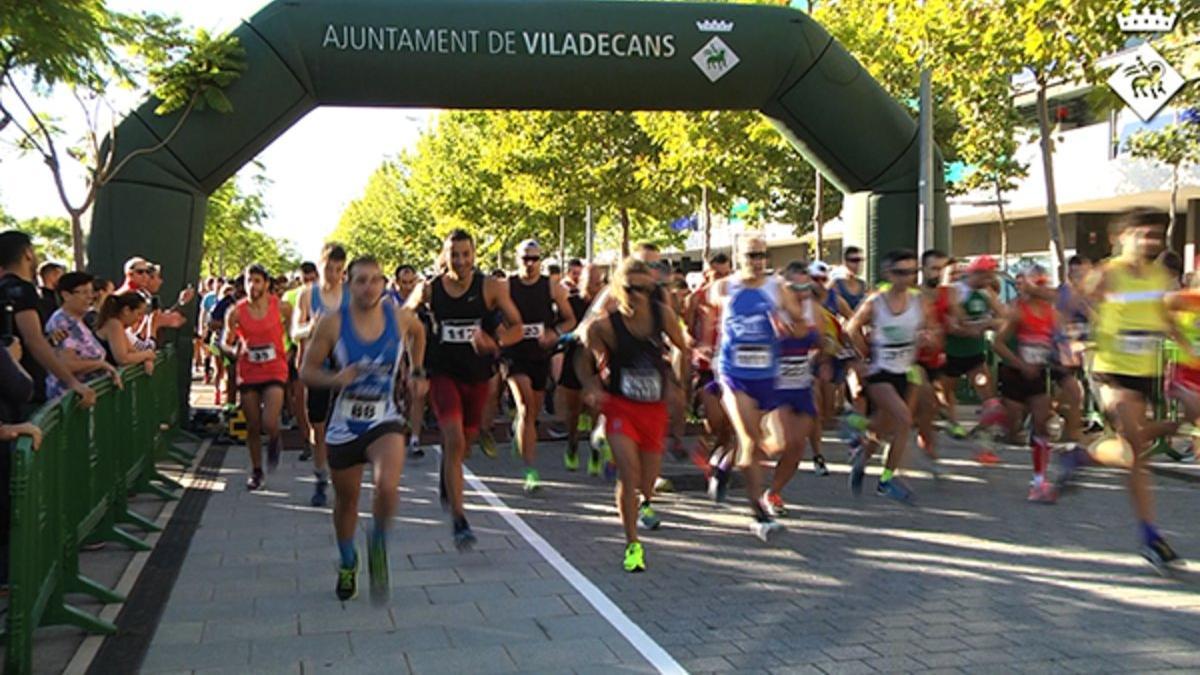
(760, 514)
(346, 551)
(1149, 533)
(886, 475)
(1040, 450)
(378, 534)
(322, 476)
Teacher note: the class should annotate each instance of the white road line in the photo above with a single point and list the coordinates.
(90, 646)
(651, 650)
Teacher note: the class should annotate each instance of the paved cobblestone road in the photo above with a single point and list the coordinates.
(973, 579)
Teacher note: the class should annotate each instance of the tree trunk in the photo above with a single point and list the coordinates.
(707, 225)
(77, 241)
(624, 232)
(819, 215)
(1003, 229)
(1171, 210)
(1052, 222)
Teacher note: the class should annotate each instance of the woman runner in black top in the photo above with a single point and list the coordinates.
(463, 355)
(629, 343)
(529, 360)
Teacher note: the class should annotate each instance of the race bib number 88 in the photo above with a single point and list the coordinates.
(362, 408)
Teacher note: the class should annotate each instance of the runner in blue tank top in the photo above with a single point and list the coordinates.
(748, 363)
(328, 290)
(367, 336)
(791, 423)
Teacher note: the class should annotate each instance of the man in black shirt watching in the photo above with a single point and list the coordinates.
(48, 276)
(19, 317)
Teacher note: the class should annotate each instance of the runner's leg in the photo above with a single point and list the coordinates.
(747, 423)
(272, 411)
(252, 408)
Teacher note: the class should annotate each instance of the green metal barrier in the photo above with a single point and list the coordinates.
(76, 489)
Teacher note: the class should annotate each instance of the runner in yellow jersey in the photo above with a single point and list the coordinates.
(1132, 320)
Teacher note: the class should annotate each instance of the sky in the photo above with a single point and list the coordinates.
(316, 168)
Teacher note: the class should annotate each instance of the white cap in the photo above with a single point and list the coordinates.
(818, 269)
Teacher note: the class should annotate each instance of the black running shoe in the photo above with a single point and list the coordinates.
(1160, 554)
(464, 538)
(347, 582)
(255, 481)
(306, 453)
(274, 450)
(819, 467)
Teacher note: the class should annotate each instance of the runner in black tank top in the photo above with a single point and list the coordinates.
(529, 360)
(463, 355)
(629, 343)
(570, 388)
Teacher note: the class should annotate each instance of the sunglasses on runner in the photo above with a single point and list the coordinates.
(854, 260)
(904, 272)
(756, 255)
(531, 258)
(632, 288)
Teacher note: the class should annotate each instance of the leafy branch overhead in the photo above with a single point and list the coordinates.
(84, 49)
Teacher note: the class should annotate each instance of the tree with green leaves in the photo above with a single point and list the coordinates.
(389, 221)
(51, 236)
(106, 51)
(233, 234)
(1175, 146)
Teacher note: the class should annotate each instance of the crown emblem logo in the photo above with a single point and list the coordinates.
(714, 26)
(1148, 21)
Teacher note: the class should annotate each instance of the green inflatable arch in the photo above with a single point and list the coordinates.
(518, 54)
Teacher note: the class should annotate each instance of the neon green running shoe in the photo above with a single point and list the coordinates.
(571, 460)
(594, 463)
(635, 557)
(957, 431)
(585, 423)
(487, 443)
(533, 482)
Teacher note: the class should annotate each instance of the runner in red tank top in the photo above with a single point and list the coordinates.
(923, 400)
(255, 330)
(1026, 346)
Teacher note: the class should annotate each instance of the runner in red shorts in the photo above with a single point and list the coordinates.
(459, 300)
(628, 342)
(255, 329)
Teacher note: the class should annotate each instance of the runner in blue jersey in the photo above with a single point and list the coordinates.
(748, 363)
(791, 423)
(367, 336)
(847, 283)
(314, 300)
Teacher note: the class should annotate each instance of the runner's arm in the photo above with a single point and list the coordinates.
(321, 343)
(861, 319)
(596, 346)
(496, 292)
(231, 336)
(674, 331)
(286, 310)
(843, 307)
(302, 326)
(998, 310)
(414, 331)
(955, 317)
(118, 342)
(567, 318)
(419, 296)
(1007, 330)
(796, 312)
